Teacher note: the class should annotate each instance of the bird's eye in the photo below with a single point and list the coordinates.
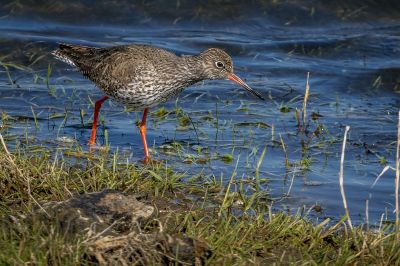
(219, 64)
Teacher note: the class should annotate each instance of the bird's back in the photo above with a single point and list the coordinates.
(118, 63)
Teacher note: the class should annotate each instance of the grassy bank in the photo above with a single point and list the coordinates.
(234, 227)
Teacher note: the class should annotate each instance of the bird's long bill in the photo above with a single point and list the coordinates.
(236, 79)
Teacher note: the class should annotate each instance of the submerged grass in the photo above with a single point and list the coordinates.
(239, 228)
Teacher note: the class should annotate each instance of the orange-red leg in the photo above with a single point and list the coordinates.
(142, 130)
(97, 107)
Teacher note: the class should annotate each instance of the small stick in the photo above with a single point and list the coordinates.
(397, 176)
(341, 178)
(305, 100)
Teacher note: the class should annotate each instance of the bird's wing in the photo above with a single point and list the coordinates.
(116, 66)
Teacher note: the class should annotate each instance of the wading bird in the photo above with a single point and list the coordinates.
(142, 76)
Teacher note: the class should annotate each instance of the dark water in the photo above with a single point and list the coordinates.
(350, 48)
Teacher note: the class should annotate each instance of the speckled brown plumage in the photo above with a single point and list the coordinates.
(142, 76)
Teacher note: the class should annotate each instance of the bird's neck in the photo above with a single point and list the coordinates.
(193, 67)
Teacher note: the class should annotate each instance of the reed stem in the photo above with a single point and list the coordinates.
(341, 178)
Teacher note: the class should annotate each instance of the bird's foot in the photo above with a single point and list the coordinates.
(146, 160)
(152, 162)
(92, 146)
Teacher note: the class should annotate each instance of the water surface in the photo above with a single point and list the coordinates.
(352, 52)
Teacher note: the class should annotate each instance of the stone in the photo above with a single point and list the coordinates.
(106, 212)
(122, 229)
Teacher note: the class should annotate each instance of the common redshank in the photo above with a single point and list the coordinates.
(142, 76)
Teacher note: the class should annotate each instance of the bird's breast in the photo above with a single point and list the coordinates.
(141, 94)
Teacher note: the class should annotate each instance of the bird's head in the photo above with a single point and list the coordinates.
(218, 65)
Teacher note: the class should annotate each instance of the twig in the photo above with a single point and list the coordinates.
(397, 176)
(102, 232)
(305, 100)
(341, 178)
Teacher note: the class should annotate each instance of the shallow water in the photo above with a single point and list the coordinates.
(353, 60)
